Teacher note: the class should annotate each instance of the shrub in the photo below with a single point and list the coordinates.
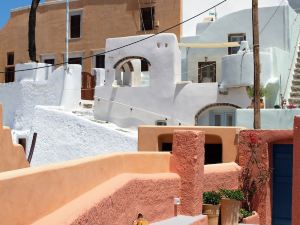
(250, 91)
(211, 197)
(232, 194)
(244, 214)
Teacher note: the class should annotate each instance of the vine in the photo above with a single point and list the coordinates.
(254, 175)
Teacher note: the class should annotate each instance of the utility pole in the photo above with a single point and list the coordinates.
(256, 60)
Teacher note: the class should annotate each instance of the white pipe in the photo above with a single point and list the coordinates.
(67, 33)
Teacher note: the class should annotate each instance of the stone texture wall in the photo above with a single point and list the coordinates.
(188, 161)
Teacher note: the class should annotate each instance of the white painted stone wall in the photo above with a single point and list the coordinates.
(165, 98)
(36, 87)
(278, 41)
(64, 136)
(270, 118)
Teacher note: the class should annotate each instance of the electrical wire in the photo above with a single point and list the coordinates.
(129, 44)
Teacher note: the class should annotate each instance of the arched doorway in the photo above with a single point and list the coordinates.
(218, 114)
(132, 71)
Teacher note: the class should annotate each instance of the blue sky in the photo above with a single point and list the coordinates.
(7, 5)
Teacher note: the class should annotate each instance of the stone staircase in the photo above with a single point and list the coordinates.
(295, 93)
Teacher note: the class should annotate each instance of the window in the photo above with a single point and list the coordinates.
(100, 61)
(147, 18)
(10, 58)
(144, 65)
(222, 118)
(9, 74)
(49, 61)
(206, 72)
(22, 141)
(235, 38)
(77, 60)
(75, 26)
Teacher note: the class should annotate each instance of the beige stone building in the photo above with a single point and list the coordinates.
(91, 23)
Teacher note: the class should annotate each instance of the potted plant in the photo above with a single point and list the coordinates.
(211, 206)
(262, 93)
(230, 206)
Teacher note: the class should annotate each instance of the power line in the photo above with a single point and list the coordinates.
(132, 43)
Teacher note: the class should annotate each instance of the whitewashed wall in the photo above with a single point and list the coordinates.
(34, 88)
(64, 136)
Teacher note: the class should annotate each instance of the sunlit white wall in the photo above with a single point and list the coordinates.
(193, 7)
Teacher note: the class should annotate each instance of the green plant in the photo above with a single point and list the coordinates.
(244, 213)
(262, 91)
(232, 194)
(211, 197)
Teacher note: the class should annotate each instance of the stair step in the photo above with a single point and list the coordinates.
(296, 82)
(295, 88)
(297, 65)
(295, 94)
(295, 101)
(297, 76)
(298, 59)
(297, 70)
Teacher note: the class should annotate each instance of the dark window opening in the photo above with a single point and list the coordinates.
(100, 61)
(166, 147)
(213, 154)
(9, 74)
(10, 58)
(49, 61)
(77, 60)
(144, 65)
(235, 38)
(22, 141)
(75, 26)
(147, 18)
(206, 72)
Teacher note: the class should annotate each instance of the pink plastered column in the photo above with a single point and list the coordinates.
(188, 161)
(296, 173)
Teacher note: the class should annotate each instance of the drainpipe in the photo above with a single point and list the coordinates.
(67, 34)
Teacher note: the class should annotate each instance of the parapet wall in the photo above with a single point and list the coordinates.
(12, 156)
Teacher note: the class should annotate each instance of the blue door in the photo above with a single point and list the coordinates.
(282, 184)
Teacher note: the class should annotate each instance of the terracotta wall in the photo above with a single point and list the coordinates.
(119, 200)
(100, 20)
(12, 156)
(148, 138)
(43, 190)
(225, 175)
(262, 201)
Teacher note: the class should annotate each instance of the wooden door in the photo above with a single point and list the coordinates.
(88, 86)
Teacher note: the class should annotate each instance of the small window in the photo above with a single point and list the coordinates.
(9, 74)
(22, 141)
(222, 118)
(10, 58)
(144, 65)
(147, 18)
(206, 72)
(161, 123)
(235, 38)
(49, 61)
(100, 61)
(77, 60)
(75, 26)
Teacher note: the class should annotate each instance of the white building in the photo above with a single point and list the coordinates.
(233, 70)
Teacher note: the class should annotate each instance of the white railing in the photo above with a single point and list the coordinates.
(292, 66)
